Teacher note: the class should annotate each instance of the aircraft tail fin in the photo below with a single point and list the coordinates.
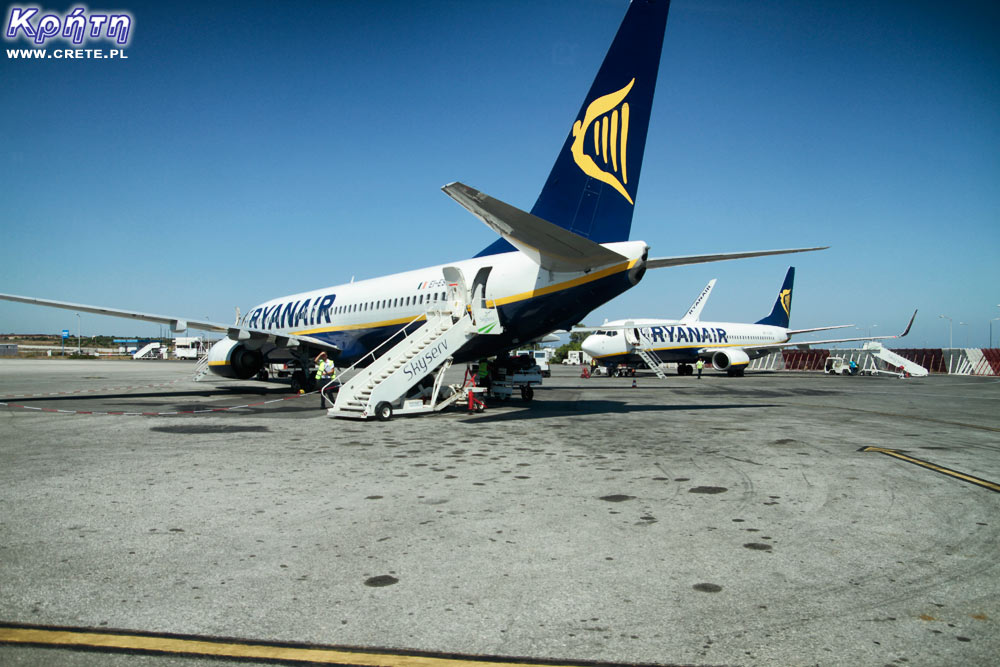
(782, 310)
(592, 187)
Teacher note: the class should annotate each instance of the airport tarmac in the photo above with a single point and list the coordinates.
(721, 521)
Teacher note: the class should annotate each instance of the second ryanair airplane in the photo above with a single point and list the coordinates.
(728, 346)
(551, 267)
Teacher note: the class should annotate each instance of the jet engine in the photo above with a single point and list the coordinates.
(729, 360)
(636, 273)
(233, 359)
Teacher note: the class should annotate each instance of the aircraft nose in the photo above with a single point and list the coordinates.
(591, 345)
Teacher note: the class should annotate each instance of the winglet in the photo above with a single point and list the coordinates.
(912, 317)
(694, 312)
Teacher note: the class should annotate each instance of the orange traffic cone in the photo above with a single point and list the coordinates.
(634, 385)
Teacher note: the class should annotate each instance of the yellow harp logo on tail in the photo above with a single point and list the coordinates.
(610, 140)
(786, 300)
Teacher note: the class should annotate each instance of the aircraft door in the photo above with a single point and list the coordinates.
(479, 287)
(631, 334)
(487, 319)
(458, 292)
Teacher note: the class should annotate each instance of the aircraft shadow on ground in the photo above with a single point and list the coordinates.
(550, 409)
(203, 393)
(177, 401)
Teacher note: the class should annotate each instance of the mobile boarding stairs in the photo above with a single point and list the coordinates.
(385, 387)
(906, 367)
(644, 350)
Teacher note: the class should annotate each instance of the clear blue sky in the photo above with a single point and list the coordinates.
(246, 151)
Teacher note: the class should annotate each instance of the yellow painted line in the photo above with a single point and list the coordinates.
(992, 486)
(221, 648)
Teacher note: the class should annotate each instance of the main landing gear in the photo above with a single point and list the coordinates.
(303, 379)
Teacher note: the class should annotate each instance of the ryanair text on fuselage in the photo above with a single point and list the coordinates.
(292, 314)
(679, 334)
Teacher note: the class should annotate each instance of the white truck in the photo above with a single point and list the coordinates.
(541, 358)
(189, 347)
(577, 358)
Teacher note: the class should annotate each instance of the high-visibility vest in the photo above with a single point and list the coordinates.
(321, 369)
(700, 364)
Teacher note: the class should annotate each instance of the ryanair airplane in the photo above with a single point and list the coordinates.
(728, 346)
(551, 267)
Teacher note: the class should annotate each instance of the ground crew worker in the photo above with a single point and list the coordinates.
(326, 371)
(483, 374)
(700, 364)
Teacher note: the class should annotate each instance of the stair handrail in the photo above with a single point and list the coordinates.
(371, 354)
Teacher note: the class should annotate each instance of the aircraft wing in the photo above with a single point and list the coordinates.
(549, 245)
(661, 262)
(175, 323)
(792, 332)
(805, 344)
(179, 323)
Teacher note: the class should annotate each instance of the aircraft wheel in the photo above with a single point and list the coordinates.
(383, 411)
(298, 381)
(263, 375)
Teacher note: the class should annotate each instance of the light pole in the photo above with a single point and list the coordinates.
(950, 323)
(78, 347)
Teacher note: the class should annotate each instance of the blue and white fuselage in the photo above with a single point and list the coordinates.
(358, 316)
(725, 344)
